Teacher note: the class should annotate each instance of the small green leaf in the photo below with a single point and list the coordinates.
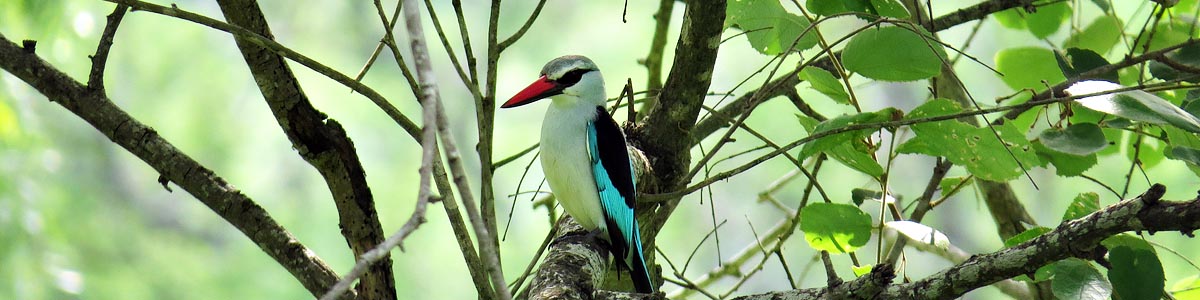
(949, 183)
(863, 270)
(831, 141)
(834, 227)
(1084, 204)
(1171, 31)
(1065, 164)
(1187, 288)
(1188, 56)
(1025, 236)
(858, 196)
(1027, 67)
(1100, 36)
(829, 7)
(1048, 19)
(856, 158)
(1013, 18)
(1136, 105)
(1077, 279)
(975, 148)
(1077, 139)
(926, 238)
(807, 122)
(1103, 4)
(1136, 272)
(824, 82)
(893, 54)
(769, 27)
(890, 8)
(1078, 61)
(1189, 155)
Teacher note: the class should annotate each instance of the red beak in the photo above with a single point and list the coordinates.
(537, 90)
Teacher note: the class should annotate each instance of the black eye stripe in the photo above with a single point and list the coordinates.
(572, 77)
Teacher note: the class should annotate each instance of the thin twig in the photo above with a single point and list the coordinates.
(486, 238)
(96, 76)
(407, 124)
(521, 32)
(429, 94)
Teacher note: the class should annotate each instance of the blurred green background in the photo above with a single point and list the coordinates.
(80, 218)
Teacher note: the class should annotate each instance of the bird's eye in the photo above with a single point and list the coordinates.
(570, 78)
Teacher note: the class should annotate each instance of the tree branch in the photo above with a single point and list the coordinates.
(1077, 238)
(96, 76)
(657, 135)
(245, 35)
(142, 141)
(322, 142)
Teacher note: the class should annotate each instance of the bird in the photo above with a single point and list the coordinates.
(585, 159)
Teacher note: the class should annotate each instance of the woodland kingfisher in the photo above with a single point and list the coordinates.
(585, 158)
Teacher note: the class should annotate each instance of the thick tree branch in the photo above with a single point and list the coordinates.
(142, 141)
(321, 141)
(678, 106)
(575, 268)
(1077, 238)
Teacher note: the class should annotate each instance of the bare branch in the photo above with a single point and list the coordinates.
(143, 142)
(487, 240)
(96, 77)
(259, 40)
(521, 32)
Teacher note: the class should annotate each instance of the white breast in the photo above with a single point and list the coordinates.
(567, 163)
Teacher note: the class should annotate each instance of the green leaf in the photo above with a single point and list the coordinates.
(1078, 61)
(855, 158)
(1077, 139)
(1065, 164)
(1027, 67)
(890, 8)
(1100, 36)
(1187, 288)
(1013, 18)
(893, 54)
(947, 185)
(1136, 272)
(1171, 31)
(1188, 56)
(1084, 204)
(926, 238)
(1103, 4)
(863, 270)
(858, 196)
(1189, 155)
(831, 141)
(975, 148)
(1077, 279)
(807, 122)
(1048, 18)
(834, 227)
(1135, 104)
(824, 82)
(1025, 236)
(829, 7)
(770, 28)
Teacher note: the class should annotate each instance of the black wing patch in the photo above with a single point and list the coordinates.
(611, 145)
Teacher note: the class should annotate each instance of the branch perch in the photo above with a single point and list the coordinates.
(1077, 238)
(142, 141)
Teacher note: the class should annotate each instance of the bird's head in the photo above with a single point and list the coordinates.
(575, 79)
